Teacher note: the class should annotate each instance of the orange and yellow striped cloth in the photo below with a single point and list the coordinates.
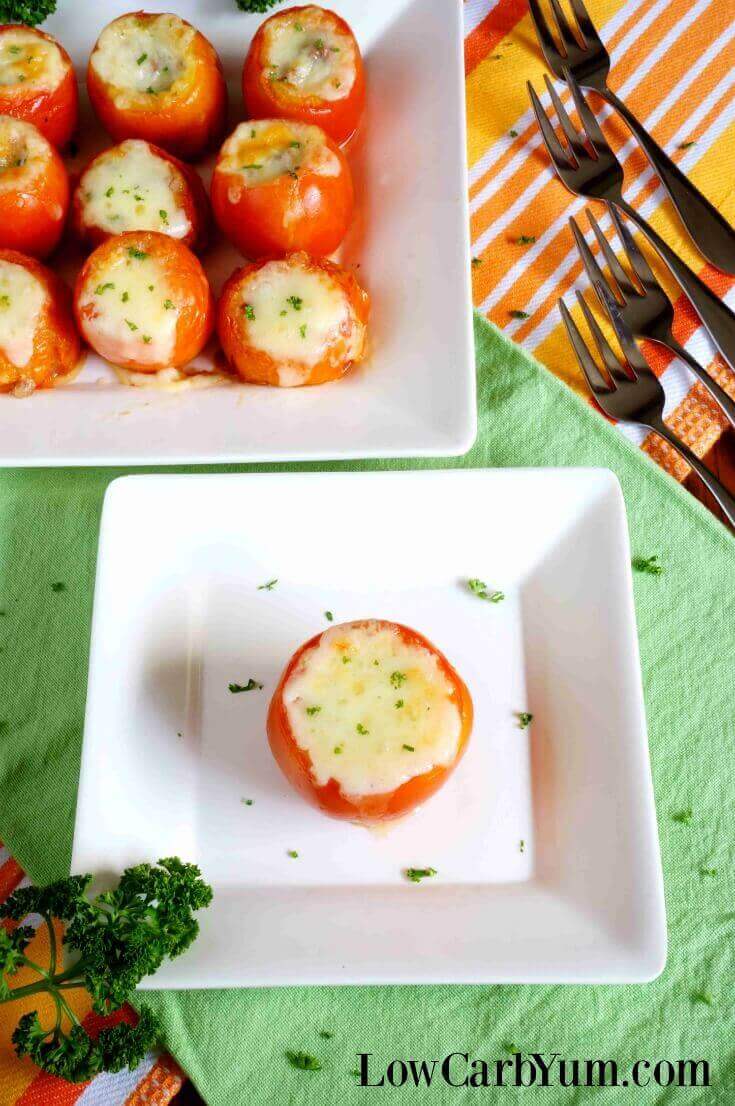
(153, 1083)
(673, 62)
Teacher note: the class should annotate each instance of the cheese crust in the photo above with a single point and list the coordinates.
(308, 55)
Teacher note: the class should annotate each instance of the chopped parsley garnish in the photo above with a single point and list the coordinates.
(513, 134)
(246, 802)
(109, 191)
(147, 339)
(684, 817)
(125, 297)
(294, 145)
(150, 287)
(711, 872)
(329, 616)
(319, 43)
(103, 288)
(268, 585)
(415, 875)
(252, 132)
(337, 750)
(346, 660)
(325, 1034)
(252, 166)
(509, 1047)
(302, 330)
(168, 305)
(137, 198)
(133, 326)
(58, 586)
(248, 310)
(651, 565)
(141, 59)
(702, 996)
(298, 27)
(139, 255)
(313, 710)
(361, 729)
(409, 748)
(293, 854)
(399, 703)
(151, 90)
(526, 239)
(397, 678)
(516, 314)
(522, 845)
(304, 1061)
(251, 685)
(524, 719)
(480, 589)
(476, 261)
(686, 145)
(296, 302)
(14, 49)
(5, 301)
(164, 215)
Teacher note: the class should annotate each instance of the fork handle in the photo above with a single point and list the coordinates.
(708, 478)
(711, 233)
(716, 315)
(717, 392)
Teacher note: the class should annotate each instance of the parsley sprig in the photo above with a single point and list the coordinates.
(116, 938)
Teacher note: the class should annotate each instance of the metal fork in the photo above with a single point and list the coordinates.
(633, 396)
(584, 54)
(598, 175)
(644, 306)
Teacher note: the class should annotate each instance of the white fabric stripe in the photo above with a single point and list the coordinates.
(483, 163)
(114, 1090)
(523, 201)
(527, 257)
(475, 11)
(648, 208)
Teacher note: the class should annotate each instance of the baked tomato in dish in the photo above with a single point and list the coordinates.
(368, 720)
(280, 186)
(304, 63)
(37, 82)
(138, 186)
(292, 321)
(34, 189)
(39, 344)
(156, 77)
(143, 302)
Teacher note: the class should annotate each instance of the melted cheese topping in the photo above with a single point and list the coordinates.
(143, 57)
(264, 149)
(132, 306)
(22, 299)
(30, 61)
(294, 314)
(371, 710)
(131, 188)
(308, 53)
(24, 154)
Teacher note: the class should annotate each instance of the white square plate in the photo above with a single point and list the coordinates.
(415, 394)
(170, 754)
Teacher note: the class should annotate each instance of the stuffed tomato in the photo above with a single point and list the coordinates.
(157, 78)
(143, 302)
(292, 321)
(279, 187)
(39, 344)
(34, 189)
(37, 82)
(304, 64)
(138, 186)
(368, 720)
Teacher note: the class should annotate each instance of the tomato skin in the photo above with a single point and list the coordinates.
(56, 345)
(311, 212)
(193, 196)
(55, 112)
(263, 99)
(257, 367)
(33, 210)
(187, 280)
(296, 766)
(187, 126)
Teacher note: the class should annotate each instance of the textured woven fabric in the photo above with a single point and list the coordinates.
(232, 1042)
(673, 62)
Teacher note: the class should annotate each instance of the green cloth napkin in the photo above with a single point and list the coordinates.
(232, 1043)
